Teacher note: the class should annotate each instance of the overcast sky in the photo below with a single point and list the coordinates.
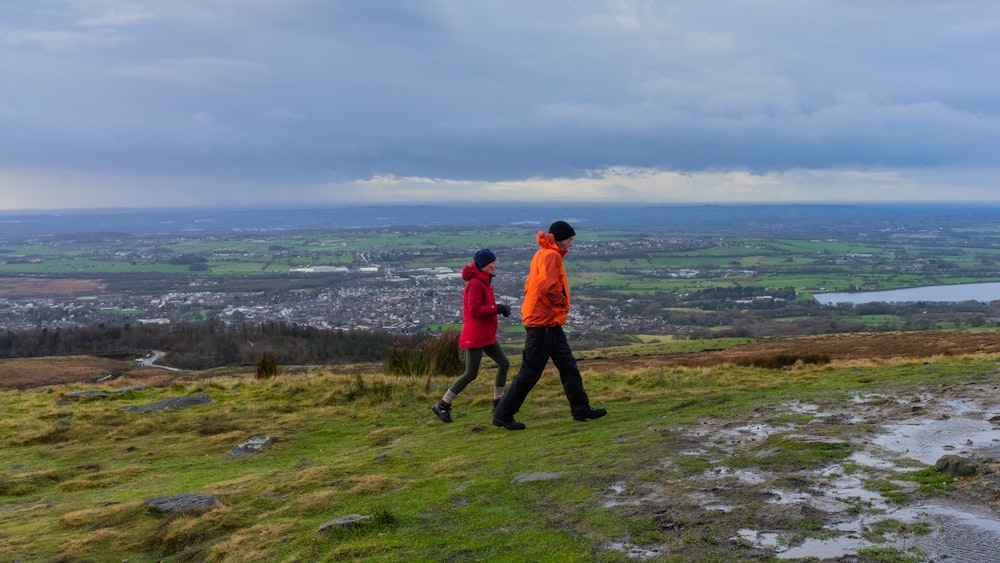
(108, 103)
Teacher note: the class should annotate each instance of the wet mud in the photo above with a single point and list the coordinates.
(862, 505)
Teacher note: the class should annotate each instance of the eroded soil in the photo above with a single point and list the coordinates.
(864, 506)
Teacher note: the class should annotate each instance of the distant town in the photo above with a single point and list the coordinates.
(691, 272)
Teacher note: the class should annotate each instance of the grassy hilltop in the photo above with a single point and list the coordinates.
(76, 472)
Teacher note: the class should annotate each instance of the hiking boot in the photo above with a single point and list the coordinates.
(582, 416)
(495, 403)
(508, 423)
(442, 410)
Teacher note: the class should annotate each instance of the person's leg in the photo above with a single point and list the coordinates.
(473, 358)
(533, 360)
(569, 373)
(442, 408)
(496, 353)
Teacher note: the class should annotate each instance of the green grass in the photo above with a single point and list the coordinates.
(74, 477)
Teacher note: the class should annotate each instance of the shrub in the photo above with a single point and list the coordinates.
(777, 361)
(267, 365)
(425, 356)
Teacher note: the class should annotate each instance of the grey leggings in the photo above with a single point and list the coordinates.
(472, 359)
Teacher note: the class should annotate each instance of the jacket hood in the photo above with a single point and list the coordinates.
(470, 271)
(547, 240)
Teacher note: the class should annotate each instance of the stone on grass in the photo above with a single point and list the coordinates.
(343, 522)
(540, 476)
(184, 502)
(87, 395)
(957, 466)
(254, 445)
(173, 403)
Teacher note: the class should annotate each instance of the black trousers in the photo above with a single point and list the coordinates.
(541, 344)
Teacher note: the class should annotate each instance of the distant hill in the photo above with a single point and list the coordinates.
(787, 220)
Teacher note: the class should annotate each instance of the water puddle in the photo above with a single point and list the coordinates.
(927, 440)
(946, 532)
(917, 429)
(758, 539)
(952, 533)
(744, 476)
(634, 551)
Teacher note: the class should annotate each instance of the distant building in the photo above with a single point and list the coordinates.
(321, 270)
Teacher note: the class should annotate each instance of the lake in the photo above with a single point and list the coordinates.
(984, 292)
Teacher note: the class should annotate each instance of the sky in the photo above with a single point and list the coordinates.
(159, 103)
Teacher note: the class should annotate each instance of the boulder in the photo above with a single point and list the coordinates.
(957, 466)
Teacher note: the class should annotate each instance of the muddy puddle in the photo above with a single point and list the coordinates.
(944, 530)
(891, 436)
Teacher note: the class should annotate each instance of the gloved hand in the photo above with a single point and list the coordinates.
(503, 309)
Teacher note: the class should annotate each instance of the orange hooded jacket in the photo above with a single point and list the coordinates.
(546, 291)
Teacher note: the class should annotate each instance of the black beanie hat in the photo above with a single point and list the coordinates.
(484, 257)
(561, 230)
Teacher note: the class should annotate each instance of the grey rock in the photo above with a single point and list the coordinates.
(87, 395)
(958, 466)
(173, 403)
(540, 476)
(988, 455)
(184, 502)
(123, 390)
(343, 522)
(254, 445)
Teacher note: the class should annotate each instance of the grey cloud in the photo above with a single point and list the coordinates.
(305, 89)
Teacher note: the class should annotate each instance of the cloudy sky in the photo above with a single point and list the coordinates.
(107, 103)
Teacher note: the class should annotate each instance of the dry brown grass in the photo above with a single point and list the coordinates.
(859, 348)
(252, 544)
(855, 347)
(27, 373)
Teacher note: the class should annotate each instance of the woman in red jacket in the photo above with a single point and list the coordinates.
(479, 331)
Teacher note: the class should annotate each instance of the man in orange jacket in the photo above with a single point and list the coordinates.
(546, 303)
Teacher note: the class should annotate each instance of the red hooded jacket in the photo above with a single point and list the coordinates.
(479, 309)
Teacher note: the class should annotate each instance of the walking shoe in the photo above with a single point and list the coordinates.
(442, 410)
(509, 423)
(582, 416)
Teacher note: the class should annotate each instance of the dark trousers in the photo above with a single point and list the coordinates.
(473, 357)
(540, 344)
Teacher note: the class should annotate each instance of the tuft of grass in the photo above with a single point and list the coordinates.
(884, 554)
(930, 480)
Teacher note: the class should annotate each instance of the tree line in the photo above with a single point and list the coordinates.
(202, 345)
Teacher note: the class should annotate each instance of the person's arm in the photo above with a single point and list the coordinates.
(550, 285)
(479, 306)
